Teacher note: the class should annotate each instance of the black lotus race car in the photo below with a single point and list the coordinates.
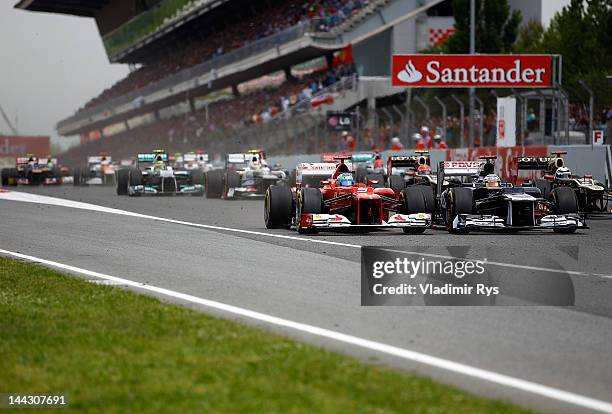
(592, 195)
(152, 175)
(469, 196)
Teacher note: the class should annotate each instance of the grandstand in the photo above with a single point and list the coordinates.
(207, 70)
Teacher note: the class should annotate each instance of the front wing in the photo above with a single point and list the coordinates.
(490, 222)
(338, 221)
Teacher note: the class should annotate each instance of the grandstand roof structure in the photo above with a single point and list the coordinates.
(151, 32)
(84, 8)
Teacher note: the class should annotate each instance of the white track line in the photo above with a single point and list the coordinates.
(40, 199)
(445, 364)
(54, 201)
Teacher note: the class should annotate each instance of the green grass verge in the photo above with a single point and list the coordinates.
(114, 351)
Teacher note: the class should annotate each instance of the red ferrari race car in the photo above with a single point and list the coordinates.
(337, 202)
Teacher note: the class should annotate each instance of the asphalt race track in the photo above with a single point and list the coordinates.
(318, 283)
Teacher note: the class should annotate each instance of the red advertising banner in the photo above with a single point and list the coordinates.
(18, 146)
(479, 71)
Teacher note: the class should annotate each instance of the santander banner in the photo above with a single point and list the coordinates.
(479, 71)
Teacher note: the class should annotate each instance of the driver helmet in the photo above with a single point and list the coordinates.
(563, 173)
(492, 180)
(345, 179)
(424, 170)
(159, 164)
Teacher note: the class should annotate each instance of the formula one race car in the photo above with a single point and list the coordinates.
(31, 170)
(100, 170)
(369, 167)
(475, 198)
(152, 175)
(407, 170)
(338, 202)
(245, 175)
(592, 195)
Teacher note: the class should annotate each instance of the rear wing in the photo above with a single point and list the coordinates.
(237, 158)
(324, 170)
(460, 168)
(408, 161)
(47, 161)
(195, 157)
(363, 157)
(539, 163)
(150, 157)
(25, 160)
(97, 159)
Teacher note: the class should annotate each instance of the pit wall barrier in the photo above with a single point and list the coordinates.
(580, 159)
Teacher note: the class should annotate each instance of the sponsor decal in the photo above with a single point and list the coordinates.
(491, 71)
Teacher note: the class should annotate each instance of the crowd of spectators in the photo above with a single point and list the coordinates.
(324, 14)
(221, 118)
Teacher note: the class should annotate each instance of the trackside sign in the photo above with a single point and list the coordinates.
(479, 71)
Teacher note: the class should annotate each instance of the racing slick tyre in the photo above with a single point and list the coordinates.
(396, 183)
(123, 177)
(5, 177)
(413, 200)
(135, 177)
(565, 202)
(197, 176)
(310, 202)
(361, 174)
(15, 175)
(459, 201)
(232, 180)
(278, 207)
(428, 193)
(375, 177)
(76, 177)
(545, 187)
(214, 184)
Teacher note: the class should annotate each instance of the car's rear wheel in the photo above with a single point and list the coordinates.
(375, 180)
(123, 176)
(15, 175)
(5, 177)
(396, 183)
(278, 207)
(197, 176)
(459, 201)
(214, 184)
(76, 177)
